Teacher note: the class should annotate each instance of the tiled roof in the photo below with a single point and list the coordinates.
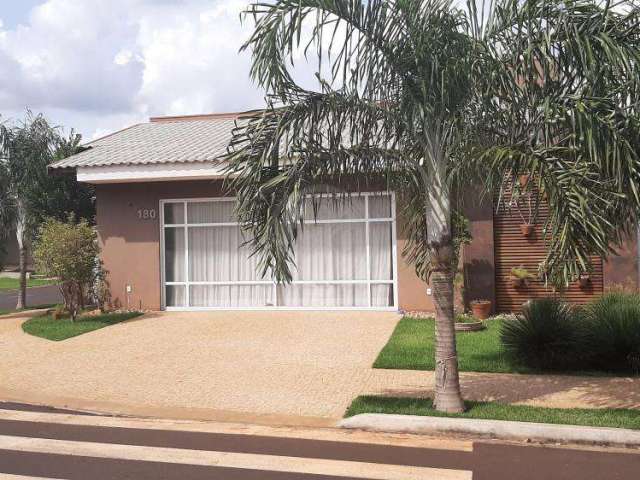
(176, 139)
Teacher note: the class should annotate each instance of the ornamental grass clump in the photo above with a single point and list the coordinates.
(548, 336)
(612, 327)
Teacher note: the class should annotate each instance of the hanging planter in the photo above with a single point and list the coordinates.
(526, 229)
(520, 277)
(584, 280)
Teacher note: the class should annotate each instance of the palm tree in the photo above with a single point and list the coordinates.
(431, 97)
(25, 151)
(61, 194)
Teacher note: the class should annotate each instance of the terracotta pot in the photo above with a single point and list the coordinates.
(526, 229)
(481, 309)
(584, 280)
(517, 282)
(523, 180)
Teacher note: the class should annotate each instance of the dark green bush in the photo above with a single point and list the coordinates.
(546, 336)
(612, 326)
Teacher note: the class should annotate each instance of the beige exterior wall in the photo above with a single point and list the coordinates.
(131, 245)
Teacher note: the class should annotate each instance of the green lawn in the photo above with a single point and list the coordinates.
(47, 327)
(411, 347)
(14, 283)
(600, 417)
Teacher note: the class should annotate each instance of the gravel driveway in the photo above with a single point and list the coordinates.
(282, 363)
(273, 367)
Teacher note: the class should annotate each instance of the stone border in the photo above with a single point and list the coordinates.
(469, 326)
(501, 429)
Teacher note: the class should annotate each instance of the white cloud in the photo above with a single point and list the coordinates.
(123, 57)
(99, 66)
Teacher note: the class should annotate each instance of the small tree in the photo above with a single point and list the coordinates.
(69, 251)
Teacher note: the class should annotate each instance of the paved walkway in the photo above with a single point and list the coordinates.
(274, 366)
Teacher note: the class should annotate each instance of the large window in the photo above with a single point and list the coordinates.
(345, 257)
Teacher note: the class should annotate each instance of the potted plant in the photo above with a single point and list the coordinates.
(520, 276)
(526, 203)
(584, 279)
(468, 323)
(526, 229)
(481, 309)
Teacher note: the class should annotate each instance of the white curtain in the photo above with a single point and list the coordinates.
(210, 212)
(379, 206)
(381, 261)
(318, 295)
(217, 254)
(331, 251)
(227, 296)
(324, 252)
(327, 208)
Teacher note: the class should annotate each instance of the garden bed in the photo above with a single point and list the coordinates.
(47, 327)
(596, 417)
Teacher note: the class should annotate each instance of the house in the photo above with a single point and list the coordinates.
(170, 240)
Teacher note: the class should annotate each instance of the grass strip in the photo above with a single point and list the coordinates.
(596, 417)
(14, 283)
(61, 329)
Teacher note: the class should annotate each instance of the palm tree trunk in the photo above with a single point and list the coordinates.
(447, 389)
(22, 295)
(20, 237)
(447, 396)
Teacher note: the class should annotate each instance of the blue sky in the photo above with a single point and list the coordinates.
(13, 12)
(101, 65)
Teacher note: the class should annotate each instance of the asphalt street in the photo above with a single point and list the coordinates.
(45, 295)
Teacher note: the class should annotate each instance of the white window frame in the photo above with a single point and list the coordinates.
(366, 220)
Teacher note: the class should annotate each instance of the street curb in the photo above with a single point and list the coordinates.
(25, 313)
(501, 429)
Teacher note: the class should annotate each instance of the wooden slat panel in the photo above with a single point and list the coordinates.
(512, 249)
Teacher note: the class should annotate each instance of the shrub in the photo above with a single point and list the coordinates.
(546, 336)
(612, 325)
(69, 251)
(521, 273)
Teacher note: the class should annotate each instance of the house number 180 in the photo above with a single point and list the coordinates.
(147, 213)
